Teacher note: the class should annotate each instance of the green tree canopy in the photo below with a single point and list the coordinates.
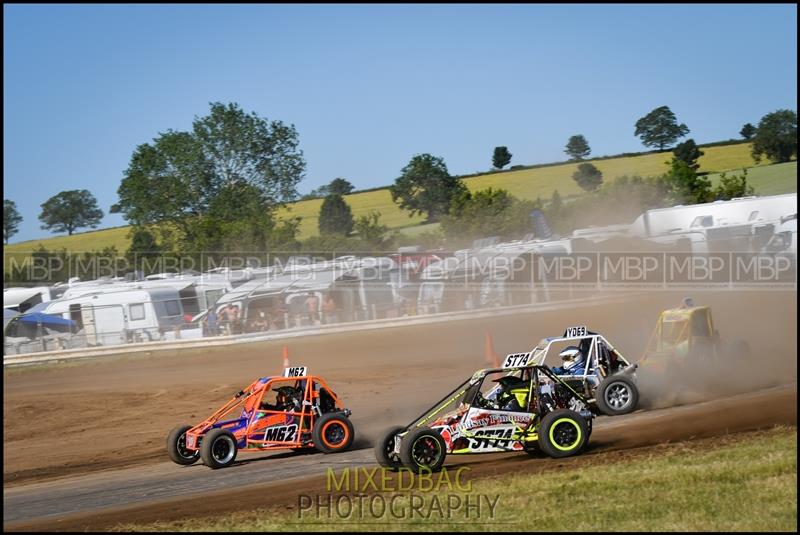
(338, 186)
(776, 137)
(732, 186)
(501, 157)
(487, 212)
(577, 148)
(688, 153)
(660, 128)
(555, 203)
(70, 210)
(335, 216)
(588, 177)
(425, 187)
(372, 232)
(11, 219)
(202, 183)
(747, 131)
(686, 186)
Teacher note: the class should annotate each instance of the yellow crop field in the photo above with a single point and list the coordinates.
(523, 183)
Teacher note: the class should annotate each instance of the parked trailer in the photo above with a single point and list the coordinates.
(22, 299)
(118, 316)
(663, 221)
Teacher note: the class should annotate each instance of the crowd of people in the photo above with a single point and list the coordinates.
(228, 319)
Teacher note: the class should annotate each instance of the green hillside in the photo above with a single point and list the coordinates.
(524, 183)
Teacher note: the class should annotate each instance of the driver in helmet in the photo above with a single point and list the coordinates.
(287, 400)
(512, 395)
(574, 361)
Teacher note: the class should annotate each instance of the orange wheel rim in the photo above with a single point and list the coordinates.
(345, 434)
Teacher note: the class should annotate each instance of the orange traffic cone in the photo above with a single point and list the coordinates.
(491, 357)
(285, 357)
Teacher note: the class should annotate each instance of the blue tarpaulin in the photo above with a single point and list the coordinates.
(45, 319)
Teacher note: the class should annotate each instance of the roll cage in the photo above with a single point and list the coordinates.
(317, 398)
(467, 392)
(600, 355)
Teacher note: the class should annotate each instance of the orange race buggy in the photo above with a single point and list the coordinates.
(295, 411)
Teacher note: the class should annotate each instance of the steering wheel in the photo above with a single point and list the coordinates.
(483, 403)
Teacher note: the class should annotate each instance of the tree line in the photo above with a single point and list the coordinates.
(218, 185)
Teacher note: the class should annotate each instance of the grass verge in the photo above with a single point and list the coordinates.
(741, 482)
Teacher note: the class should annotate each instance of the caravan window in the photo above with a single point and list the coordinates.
(703, 221)
(173, 307)
(136, 311)
(212, 296)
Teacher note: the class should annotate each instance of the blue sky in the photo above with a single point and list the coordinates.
(370, 86)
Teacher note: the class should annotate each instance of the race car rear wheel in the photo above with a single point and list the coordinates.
(563, 433)
(176, 446)
(333, 432)
(384, 449)
(218, 448)
(616, 395)
(423, 448)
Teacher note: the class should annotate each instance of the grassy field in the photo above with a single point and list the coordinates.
(523, 183)
(745, 482)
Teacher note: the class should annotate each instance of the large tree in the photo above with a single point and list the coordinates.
(231, 163)
(747, 131)
(577, 147)
(335, 216)
(588, 177)
(489, 212)
(425, 187)
(688, 152)
(70, 210)
(501, 157)
(660, 128)
(776, 136)
(11, 219)
(337, 186)
(686, 186)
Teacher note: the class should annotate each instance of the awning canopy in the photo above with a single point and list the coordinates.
(45, 319)
(8, 315)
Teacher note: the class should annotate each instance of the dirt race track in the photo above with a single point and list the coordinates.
(84, 443)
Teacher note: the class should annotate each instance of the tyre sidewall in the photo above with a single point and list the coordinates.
(558, 418)
(408, 442)
(207, 445)
(607, 383)
(320, 427)
(172, 446)
(386, 439)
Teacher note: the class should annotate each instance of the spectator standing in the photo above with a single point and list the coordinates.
(329, 309)
(312, 306)
(236, 320)
(211, 322)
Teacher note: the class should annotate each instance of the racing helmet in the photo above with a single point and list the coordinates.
(572, 357)
(512, 387)
(285, 394)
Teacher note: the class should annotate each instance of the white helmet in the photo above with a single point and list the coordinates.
(572, 357)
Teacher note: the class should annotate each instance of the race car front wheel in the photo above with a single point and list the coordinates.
(176, 446)
(333, 432)
(218, 448)
(423, 448)
(616, 395)
(563, 433)
(384, 449)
